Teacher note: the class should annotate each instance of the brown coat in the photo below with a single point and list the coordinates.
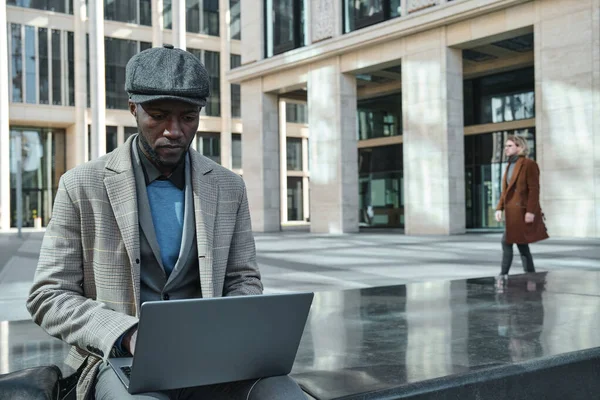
(522, 195)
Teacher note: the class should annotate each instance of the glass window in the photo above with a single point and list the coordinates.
(87, 69)
(145, 46)
(235, 19)
(89, 143)
(209, 145)
(30, 70)
(56, 68)
(129, 131)
(167, 14)
(192, 16)
(71, 66)
(213, 66)
(294, 154)
(197, 53)
(296, 113)
(211, 17)
(48, 5)
(117, 53)
(43, 162)
(395, 8)
(146, 12)
(295, 199)
(111, 138)
(380, 117)
(508, 107)
(121, 10)
(380, 159)
(236, 151)
(236, 92)
(236, 100)
(235, 61)
(485, 163)
(381, 200)
(284, 28)
(17, 63)
(361, 13)
(508, 96)
(44, 59)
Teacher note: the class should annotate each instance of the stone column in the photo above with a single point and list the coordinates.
(433, 136)
(333, 149)
(325, 19)
(225, 85)
(404, 8)
(120, 135)
(157, 23)
(260, 155)
(97, 78)
(283, 161)
(179, 29)
(4, 125)
(252, 32)
(567, 83)
(77, 144)
(305, 180)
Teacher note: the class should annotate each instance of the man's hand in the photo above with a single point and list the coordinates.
(529, 217)
(129, 340)
(499, 216)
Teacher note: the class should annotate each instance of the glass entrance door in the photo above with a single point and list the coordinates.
(380, 185)
(485, 164)
(43, 162)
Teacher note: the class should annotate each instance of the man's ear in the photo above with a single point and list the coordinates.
(133, 108)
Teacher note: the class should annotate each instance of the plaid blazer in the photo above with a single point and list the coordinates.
(86, 289)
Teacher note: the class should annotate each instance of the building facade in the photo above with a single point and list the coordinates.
(409, 103)
(356, 113)
(62, 98)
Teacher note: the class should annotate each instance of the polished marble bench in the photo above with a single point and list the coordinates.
(538, 339)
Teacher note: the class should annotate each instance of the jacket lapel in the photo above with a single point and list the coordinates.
(205, 192)
(120, 187)
(189, 228)
(515, 174)
(145, 213)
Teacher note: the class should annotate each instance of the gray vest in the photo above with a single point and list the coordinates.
(184, 281)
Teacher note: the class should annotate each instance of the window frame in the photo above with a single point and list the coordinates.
(297, 29)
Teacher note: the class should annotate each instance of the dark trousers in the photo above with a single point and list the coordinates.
(109, 387)
(507, 256)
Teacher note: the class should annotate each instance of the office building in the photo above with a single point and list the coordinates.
(356, 113)
(409, 105)
(63, 94)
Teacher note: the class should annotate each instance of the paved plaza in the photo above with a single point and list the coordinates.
(297, 261)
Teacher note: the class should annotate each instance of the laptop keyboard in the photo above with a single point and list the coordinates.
(126, 371)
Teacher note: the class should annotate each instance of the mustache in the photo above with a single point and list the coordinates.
(171, 146)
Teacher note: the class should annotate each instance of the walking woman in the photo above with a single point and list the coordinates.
(520, 202)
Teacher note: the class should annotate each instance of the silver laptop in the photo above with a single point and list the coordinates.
(196, 342)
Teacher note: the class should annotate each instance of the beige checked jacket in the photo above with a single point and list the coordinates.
(86, 289)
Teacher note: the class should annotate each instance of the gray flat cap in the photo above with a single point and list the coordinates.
(166, 73)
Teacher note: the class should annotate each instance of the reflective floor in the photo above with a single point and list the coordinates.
(365, 340)
(362, 340)
(23, 345)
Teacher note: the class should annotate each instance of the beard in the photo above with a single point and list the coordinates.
(153, 156)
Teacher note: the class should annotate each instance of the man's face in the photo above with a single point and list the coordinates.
(511, 149)
(166, 130)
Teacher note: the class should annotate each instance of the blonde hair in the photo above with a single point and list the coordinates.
(521, 143)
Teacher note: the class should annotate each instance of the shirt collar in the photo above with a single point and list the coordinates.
(151, 173)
